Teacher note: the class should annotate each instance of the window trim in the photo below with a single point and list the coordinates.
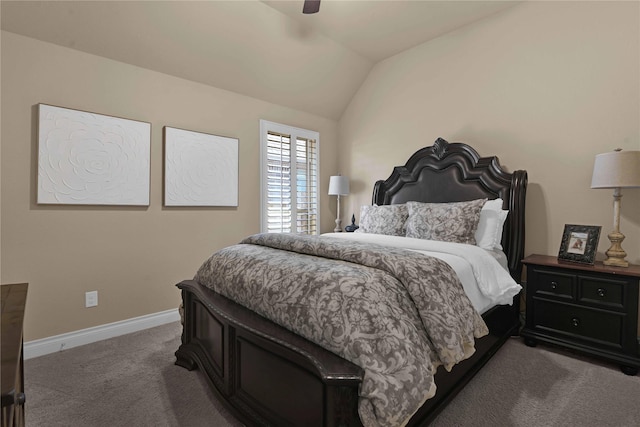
(295, 132)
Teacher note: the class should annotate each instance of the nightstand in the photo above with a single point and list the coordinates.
(589, 308)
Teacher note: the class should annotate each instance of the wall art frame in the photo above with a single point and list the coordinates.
(579, 243)
(87, 158)
(200, 169)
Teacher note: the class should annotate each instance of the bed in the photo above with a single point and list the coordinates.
(268, 375)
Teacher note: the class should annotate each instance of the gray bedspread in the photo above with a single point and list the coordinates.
(395, 313)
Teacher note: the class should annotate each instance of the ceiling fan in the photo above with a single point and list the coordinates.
(311, 6)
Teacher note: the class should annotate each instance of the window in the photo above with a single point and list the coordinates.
(289, 178)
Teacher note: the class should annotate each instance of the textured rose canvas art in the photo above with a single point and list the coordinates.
(91, 159)
(200, 169)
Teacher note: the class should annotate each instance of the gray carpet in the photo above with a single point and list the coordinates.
(125, 381)
(132, 381)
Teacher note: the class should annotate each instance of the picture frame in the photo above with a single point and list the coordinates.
(86, 158)
(200, 169)
(579, 243)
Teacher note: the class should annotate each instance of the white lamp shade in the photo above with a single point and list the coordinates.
(616, 169)
(338, 185)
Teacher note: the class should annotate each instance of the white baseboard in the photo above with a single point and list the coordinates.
(62, 342)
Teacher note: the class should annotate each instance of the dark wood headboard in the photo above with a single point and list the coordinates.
(452, 172)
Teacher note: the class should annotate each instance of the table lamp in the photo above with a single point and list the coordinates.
(616, 169)
(338, 186)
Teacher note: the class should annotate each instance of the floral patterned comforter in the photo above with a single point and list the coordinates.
(395, 313)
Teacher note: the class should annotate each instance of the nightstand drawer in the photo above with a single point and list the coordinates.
(605, 293)
(555, 284)
(598, 327)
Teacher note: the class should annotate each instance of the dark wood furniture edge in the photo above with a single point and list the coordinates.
(551, 261)
(13, 303)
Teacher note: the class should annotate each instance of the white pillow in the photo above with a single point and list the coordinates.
(489, 232)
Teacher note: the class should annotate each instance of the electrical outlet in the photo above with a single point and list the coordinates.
(91, 299)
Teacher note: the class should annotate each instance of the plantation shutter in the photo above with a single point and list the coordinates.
(290, 186)
(307, 186)
(278, 183)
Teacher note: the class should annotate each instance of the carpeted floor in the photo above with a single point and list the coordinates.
(125, 381)
(132, 381)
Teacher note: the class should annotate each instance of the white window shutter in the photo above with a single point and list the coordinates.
(290, 165)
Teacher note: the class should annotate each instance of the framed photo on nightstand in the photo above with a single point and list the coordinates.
(579, 243)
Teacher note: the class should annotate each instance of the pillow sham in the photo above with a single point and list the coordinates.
(490, 236)
(492, 217)
(455, 222)
(386, 219)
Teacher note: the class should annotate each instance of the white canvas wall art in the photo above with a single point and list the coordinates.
(92, 159)
(200, 169)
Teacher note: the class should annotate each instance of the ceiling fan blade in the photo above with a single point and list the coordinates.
(311, 6)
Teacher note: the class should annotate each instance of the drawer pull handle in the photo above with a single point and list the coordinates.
(601, 292)
(554, 285)
(575, 322)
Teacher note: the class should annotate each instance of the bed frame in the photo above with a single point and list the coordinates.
(268, 375)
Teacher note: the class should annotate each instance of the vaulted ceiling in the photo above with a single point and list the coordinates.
(264, 49)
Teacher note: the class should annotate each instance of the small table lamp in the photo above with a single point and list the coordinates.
(616, 169)
(338, 186)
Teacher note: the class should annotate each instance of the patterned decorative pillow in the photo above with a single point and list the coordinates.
(448, 222)
(386, 219)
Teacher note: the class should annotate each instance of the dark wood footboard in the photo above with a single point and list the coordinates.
(268, 375)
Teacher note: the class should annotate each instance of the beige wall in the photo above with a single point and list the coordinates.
(545, 85)
(131, 256)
